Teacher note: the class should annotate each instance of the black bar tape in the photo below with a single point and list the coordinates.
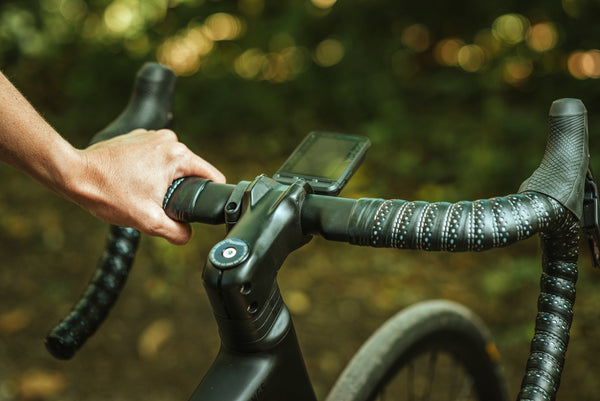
(102, 292)
(555, 313)
(149, 108)
(452, 227)
(486, 224)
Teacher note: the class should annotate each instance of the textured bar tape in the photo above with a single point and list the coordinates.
(486, 224)
(102, 292)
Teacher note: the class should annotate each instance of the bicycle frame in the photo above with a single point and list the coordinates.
(260, 358)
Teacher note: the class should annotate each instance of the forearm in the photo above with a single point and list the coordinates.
(29, 143)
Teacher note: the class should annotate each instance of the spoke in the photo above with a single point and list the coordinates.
(433, 358)
(410, 381)
(432, 376)
(454, 379)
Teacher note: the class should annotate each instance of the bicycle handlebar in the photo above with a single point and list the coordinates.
(149, 107)
(556, 186)
(102, 292)
(541, 207)
(549, 202)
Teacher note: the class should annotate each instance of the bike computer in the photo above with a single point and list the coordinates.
(325, 160)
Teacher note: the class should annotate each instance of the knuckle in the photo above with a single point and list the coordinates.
(138, 131)
(168, 134)
(179, 151)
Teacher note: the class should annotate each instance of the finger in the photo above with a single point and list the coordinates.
(154, 221)
(175, 232)
(180, 235)
(190, 163)
(197, 166)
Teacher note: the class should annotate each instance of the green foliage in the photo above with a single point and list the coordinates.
(452, 93)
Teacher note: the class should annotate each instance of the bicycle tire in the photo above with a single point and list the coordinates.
(431, 326)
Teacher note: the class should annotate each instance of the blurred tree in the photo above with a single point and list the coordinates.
(439, 87)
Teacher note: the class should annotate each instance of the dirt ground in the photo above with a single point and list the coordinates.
(161, 337)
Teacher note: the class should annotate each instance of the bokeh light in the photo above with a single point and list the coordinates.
(329, 52)
(275, 66)
(517, 70)
(584, 64)
(324, 4)
(446, 51)
(223, 26)
(199, 40)
(184, 51)
(119, 16)
(471, 58)
(542, 37)
(180, 54)
(416, 37)
(510, 28)
(249, 64)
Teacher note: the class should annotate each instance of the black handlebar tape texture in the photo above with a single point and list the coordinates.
(149, 106)
(486, 224)
(561, 175)
(550, 203)
(453, 227)
(555, 313)
(102, 292)
(562, 171)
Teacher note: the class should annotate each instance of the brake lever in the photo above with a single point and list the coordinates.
(589, 220)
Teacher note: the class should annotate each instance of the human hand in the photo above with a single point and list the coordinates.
(123, 180)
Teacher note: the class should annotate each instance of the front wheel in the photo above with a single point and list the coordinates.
(434, 350)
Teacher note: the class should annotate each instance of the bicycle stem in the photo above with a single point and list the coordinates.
(240, 278)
